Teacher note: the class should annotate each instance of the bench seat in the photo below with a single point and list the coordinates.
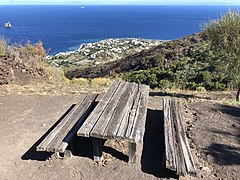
(58, 139)
(178, 156)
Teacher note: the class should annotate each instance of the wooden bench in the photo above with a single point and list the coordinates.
(58, 139)
(177, 152)
(120, 114)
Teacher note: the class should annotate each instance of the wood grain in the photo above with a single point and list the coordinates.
(177, 152)
(58, 139)
(99, 109)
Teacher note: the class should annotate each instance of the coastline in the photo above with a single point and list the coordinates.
(102, 51)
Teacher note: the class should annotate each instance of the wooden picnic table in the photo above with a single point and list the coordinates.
(120, 114)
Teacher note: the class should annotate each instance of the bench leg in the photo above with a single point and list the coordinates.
(132, 152)
(66, 154)
(70, 145)
(59, 155)
(97, 149)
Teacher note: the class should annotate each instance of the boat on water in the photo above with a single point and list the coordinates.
(8, 25)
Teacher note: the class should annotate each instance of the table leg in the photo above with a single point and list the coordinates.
(132, 152)
(97, 149)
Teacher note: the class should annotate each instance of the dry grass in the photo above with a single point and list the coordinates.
(3, 46)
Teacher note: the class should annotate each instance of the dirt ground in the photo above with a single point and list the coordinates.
(212, 126)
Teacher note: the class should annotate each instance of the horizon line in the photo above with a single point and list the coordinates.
(167, 4)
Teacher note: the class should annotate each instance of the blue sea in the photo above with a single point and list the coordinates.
(64, 28)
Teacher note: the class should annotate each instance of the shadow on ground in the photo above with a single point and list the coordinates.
(83, 147)
(231, 110)
(224, 154)
(32, 154)
(153, 146)
(178, 95)
(115, 153)
(152, 154)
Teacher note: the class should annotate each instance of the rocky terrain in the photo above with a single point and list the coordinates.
(15, 71)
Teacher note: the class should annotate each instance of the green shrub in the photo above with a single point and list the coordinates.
(224, 39)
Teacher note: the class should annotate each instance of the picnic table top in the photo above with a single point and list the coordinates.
(120, 114)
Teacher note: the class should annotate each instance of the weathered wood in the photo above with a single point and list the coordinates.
(97, 149)
(190, 167)
(42, 146)
(123, 126)
(120, 114)
(58, 139)
(181, 166)
(123, 107)
(64, 143)
(170, 155)
(94, 116)
(103, 121)
(133, 113)
(139, 125)
(177, 152)
(71, 122)
(132, 152)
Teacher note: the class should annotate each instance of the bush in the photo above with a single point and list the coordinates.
(224, 39)
(3, 47)
(183, 74)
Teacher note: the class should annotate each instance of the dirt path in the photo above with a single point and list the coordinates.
(25, 118)
(216, 135)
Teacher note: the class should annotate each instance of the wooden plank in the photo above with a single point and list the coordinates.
(138, 130)
(122, 108)
(64, 143)
(123, 126)
(177, 151)
(97, 112)
(189, 163)
(103, 121)
(72, 120)
(49, 138)
(180, 163)
(169, 137)
(77, 119)
(132, 115)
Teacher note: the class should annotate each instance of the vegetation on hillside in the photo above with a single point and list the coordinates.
(21, 62)
(162, 55)
(25, 65)
(208, 60)
(224, 37)
(182, 63)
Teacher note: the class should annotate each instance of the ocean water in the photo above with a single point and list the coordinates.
(64, 28)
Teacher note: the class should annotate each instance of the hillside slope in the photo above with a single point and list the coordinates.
(21, 64)
(162, 55)
(185, 63)
(17, 72)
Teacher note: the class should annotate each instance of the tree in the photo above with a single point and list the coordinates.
(224, 38)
